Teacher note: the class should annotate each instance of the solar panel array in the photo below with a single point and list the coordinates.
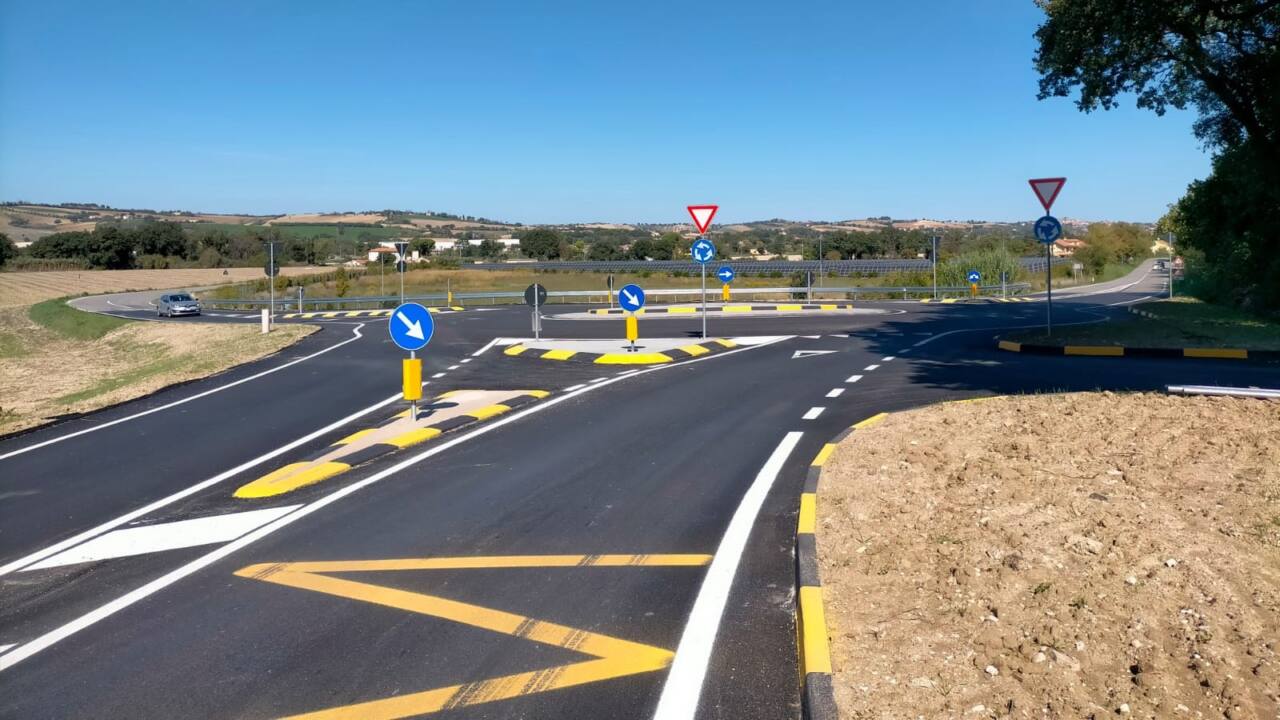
(745, 267)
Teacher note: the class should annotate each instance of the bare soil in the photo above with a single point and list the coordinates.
(27, 288)
(1084, 556)
(44, 375)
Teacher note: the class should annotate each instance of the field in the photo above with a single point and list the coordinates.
(349, 219)
(1086, 555)
(1179, 323)
(31, 287)
(56, 360)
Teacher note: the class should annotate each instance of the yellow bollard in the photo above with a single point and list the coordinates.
(412, 379)
(973, 289)
(633, 329)
(449, 302)
(724, 292)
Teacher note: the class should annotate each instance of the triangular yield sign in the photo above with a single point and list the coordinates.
(1047, 190)
(610, 657)
(702, 215)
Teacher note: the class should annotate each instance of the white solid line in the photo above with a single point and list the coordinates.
(680, 693)
(887, 358)
(437, 375)
(853, 378)
(104, 611)
(869, 368)
(165, 536)
(813, 413)
(835, 392)
(574, 387)
(135, 514)
(176, 403)
(480, 352)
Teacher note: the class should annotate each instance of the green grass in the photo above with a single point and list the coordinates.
(158, 367)
(1179, 323)
(58, 316)
(11, 346)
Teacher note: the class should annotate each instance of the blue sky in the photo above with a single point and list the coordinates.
(564, 111)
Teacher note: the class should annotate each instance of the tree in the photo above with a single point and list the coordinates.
(490, 248)
(7, 249)
(161, 238)
(540, 243)
(1222, 56)
(423, 246)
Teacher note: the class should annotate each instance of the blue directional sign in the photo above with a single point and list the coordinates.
(974, 276)
(411, 326)
(1048, 229)
(702, 251)
(631, 297)
(726, 274)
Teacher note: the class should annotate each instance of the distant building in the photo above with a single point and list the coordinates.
(1066, 247)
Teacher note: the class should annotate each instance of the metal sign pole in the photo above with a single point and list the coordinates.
(935, 267)
(1048, 282)
(413, 404)
(271, 279)
(537, 326)
(1170, 266)
(704, 301)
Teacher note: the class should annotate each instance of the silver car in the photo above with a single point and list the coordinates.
(175, 304)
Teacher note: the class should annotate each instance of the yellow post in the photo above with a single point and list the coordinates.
(973, 289)
(412, 379)
(724, 292)
(633, 329)
(450, 300)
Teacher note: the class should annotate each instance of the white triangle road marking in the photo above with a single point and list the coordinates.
(810, 353)
(165, 536)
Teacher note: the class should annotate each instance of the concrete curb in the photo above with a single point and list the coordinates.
(359, 313)
(621, 358)
(1121, 351)
(775, 307)
(812, 639)
(266, 486)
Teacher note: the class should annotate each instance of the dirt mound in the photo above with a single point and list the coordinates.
(1090, 555)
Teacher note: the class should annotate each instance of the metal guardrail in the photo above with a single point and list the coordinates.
(600, 296)
(744, 267)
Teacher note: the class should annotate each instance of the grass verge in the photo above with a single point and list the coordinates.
(61, 318)
(1177, 323)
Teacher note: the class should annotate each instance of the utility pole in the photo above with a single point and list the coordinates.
(934, 240)
(1170, 235)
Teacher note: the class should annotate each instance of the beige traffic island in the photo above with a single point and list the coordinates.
(446, 413)
(648, 351)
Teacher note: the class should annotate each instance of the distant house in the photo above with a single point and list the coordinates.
(1066, 247)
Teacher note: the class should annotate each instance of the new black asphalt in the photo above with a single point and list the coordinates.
(653, 463)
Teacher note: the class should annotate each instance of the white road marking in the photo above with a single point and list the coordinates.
(600, 379)
(5, 648)
(437, 375)
(853, 378)
(197, 396)
(869, 368)
(108, 609)
(680, 693)
(480, 352)
(574, 387)
(760, 339)
(165, 536)
(835, 392)
(813, 413)
(887, 358)
(454, 367)
(465, 360)
(810, 353)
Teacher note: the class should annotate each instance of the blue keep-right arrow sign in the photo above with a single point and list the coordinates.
(726, 274)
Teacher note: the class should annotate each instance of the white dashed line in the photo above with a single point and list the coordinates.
(575, 387)
(437, 375)
(853, 378)
(835, 392)
(887, 358)
(454, 367)
(813, 413)
(869, 368)
(599, 380)
(466, 360)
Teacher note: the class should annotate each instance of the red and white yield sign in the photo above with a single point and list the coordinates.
(1047, 190)
(702, 215)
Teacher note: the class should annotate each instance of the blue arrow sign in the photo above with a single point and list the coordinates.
(702, 251)
(631, 297)
(726, 274)
(1048, 229)
(975, 276)
(411, 326)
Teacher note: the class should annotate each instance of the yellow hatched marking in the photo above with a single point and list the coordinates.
(356, 313)
(413, 437)
(727, 343)
(788, 308)
(828, 307)
(695, 350)
(948, 301)
(1232, 353)
(536, 393)
(612, 657)
(488, 411)
(289, 478)
(808, 513)
(823, 454)
(632, 359)
(354, 437)
(558, 354)
(515, 350)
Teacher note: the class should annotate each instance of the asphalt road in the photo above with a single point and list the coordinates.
(542, 564)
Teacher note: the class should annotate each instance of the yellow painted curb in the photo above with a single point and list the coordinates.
(817, 652)
(1093, 350)
(1231, 353)
(808, 513)
(870, 421)
(1010, 346)
(355, 436)
(413, 437)
(681, 310)
(632, 359)
(823, 454)
(558, 354)
(290, 477)
(488, 411)
(515, 350)
(695, 350)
